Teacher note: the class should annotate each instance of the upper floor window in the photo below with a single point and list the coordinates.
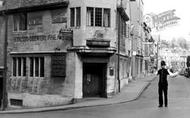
(90, 16)
(34, 18)
(59, 16)
(106, 18)
(20, 22)
(121, 23)
(75, 17)
(98, 17)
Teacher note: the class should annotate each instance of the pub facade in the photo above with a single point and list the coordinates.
(60, 51)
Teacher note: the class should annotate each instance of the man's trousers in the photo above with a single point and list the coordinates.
(163, 89)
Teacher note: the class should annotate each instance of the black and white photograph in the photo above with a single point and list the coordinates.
(94, 59)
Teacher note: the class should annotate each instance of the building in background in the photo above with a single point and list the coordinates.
(137, 36)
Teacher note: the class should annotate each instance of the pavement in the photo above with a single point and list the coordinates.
(129, 93)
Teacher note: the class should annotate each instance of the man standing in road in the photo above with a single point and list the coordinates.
(163, 83)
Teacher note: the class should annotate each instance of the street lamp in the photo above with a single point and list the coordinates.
(4, 97)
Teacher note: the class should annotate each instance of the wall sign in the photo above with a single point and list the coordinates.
(34, 38)
(64, 34)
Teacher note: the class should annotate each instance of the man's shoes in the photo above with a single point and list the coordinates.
(166, 105)
(160, 106)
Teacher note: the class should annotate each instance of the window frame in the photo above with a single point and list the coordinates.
(109, 17)
(58, 16)
(94, 19)
(35, 16)
(90, 16)
(72, 17)
(17, 23)
(75, 17)
(36, 71)
(19, 66)
(78, 16)
(16, 62)
(98, 17)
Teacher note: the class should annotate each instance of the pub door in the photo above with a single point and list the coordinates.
(94, 80)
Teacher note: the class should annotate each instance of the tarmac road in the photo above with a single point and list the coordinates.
(144, 107)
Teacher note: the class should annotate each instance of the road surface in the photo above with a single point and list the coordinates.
(145, 107)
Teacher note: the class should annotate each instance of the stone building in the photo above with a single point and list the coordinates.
(137, 35)
(148, 49)
(63, 50)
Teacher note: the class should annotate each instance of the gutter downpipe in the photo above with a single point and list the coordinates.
(118, 56)
(4, 97)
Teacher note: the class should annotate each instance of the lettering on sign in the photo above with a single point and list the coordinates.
(62, 35)
(35, 38)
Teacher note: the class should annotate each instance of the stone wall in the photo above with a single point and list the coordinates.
(48, 37)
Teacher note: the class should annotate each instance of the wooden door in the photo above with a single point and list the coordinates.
(93, 80)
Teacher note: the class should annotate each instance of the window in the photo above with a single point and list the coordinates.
(78, 15)
(123, 26)
(58, 16)
(75, 17)
(19, 66)
(124, 29)
(99, 17)
(20, 22)
(36, 66)
(90, 16)
(72, 17)
(106, 19)
(34, 18)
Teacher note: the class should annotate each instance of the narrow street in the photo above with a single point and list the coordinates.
(144, 107)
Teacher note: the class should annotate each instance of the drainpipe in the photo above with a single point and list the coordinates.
(118, 56)
(4, 97)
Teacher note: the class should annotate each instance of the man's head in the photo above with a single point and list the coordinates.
(163, 64)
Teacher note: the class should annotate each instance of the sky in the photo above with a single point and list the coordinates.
(182, 29)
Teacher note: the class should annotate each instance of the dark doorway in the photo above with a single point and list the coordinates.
(94, 79)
